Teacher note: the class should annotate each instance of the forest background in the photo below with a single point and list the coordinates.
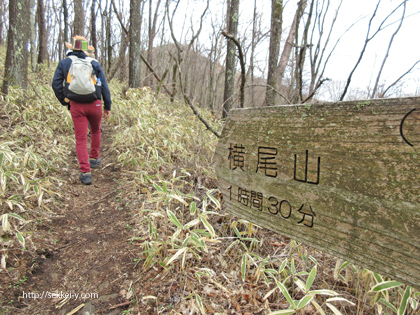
(291, 52)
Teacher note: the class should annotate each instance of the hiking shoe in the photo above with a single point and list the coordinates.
(94, 163)
(86, 178)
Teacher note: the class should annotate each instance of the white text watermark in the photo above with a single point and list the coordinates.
(58, 295)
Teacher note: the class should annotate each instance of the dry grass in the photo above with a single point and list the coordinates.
(34, 142)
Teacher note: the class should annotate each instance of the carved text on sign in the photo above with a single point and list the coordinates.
(255, 200)
(267, 164)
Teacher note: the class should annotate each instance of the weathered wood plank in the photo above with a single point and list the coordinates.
(341, 177)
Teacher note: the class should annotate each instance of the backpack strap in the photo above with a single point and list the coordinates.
(73, 58)
(90, 59)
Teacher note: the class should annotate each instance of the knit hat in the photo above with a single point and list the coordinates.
(79, 43)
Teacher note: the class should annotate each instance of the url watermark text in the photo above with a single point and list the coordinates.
(58, 295)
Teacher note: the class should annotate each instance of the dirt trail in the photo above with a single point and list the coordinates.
(85, 249)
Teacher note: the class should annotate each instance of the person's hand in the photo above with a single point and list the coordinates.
(106, 114)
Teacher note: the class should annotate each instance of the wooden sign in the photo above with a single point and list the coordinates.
(341, 177)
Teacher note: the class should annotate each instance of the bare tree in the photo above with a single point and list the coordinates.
(375, 88)
(232, 30)
(193, 51)
(42, 33)
(178, 59)
(285, 56)
(32, 35)
(2, 20)
(253, 46)
(108, 32)
(65, 21)
(368, 38)
(215, 68)
(120, 63)
(79, 18)
(16, 64)
(243, 70)
(256, 37)
(103, 9)
(383, 94)
(275, 36)
(301, 54)
(93, 38)
(134, 79)
(318, 48)
(152, 35)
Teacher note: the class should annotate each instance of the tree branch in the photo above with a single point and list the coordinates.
(310, 96)
(194, 109)
(243, 71)
(119, 17)
(367, 39)
(154, 74)
(375, 88)
(396, 81)
(279, 93)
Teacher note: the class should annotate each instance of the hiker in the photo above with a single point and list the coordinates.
(84, 110)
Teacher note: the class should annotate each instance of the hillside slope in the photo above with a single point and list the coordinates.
(150, 235)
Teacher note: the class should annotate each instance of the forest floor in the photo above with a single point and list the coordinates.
(84, 259)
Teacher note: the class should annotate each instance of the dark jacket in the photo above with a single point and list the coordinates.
(61, 74)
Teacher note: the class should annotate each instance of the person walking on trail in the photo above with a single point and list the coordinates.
(77, 69)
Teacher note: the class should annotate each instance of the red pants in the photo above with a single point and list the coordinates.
(82, 113)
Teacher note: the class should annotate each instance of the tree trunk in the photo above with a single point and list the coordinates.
(102, 57)
(108, 39)
(135, 48)
(79, 18)
(213, 67)
(253, 46)
(152, 34)
(2, 21)
(232, 18)
(32, 35)
(123, 66)
(275, 36)
(42, 33)
(59, 51)
(122, 74)
(16, 64)
(285, 56)
(174, 76)
(300, 60)
(93, 39)
(65, 22)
